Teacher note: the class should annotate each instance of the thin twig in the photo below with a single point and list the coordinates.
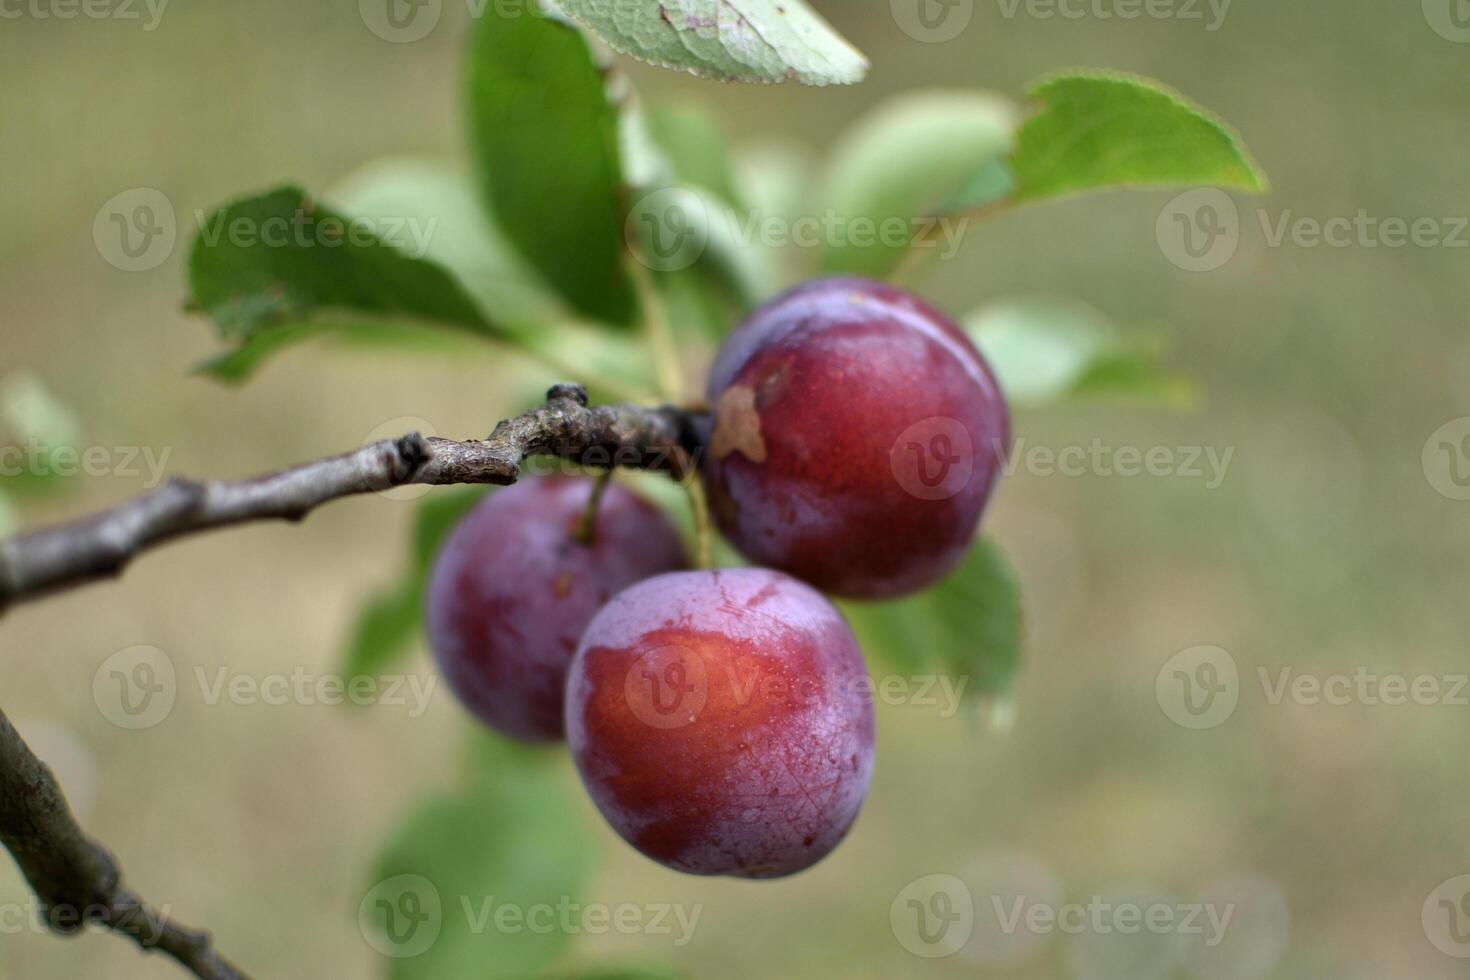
(76, 880)
(44, 561)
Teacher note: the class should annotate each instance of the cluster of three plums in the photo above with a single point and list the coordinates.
(721, 720)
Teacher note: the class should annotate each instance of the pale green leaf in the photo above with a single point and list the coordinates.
(922, 155)
(1111, 130)
(729, 40)
(696, 149)
(1046, 349)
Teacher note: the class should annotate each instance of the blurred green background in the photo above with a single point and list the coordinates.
(1325, 549)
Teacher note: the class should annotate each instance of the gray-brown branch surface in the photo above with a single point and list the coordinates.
(76, 880)
(44, 561)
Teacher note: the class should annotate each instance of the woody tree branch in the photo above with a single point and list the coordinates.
(44, 561)
(75, 879)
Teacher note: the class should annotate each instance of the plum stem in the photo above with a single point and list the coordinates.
(587, 529)
(699, 507)
(656, 329)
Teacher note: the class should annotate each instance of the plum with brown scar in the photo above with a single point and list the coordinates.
(857, 436)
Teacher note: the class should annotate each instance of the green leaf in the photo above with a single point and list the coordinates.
(631, 972)
(877, 180)
(696, 149)
(1110, 130)
(969, 624)
(265, 269)
(545, 138)
(387, 625)
(385, 628)
(281, 257)
(9, 519)
(729, 40)
(1045, 350)
(454, 888)
(239, 363)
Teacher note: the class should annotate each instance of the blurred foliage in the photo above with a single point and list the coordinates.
(508, 839)
(1046, 349)
(389, 623)
(874, 172)
(968, 626)
(34, 424)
